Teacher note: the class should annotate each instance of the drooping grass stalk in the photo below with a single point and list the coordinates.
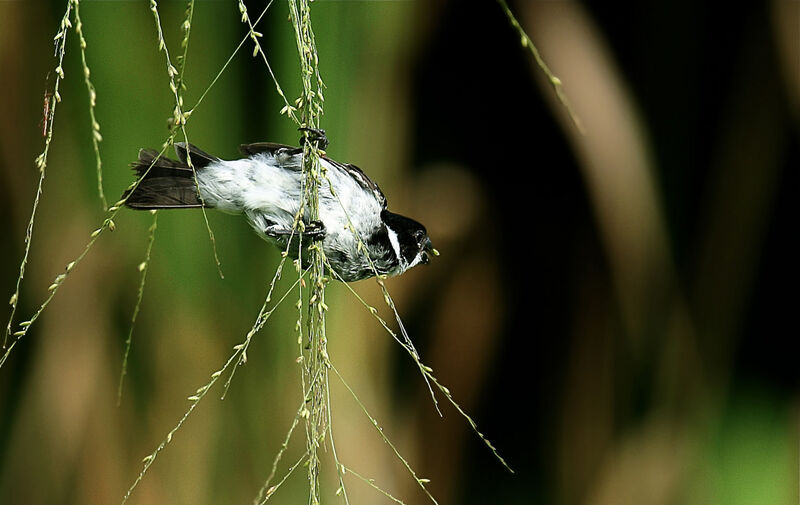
(421, 482)
(267, 490)
(340, 468)
(41, 164)
(264, 314)
(406, 343)
(108, 223)
(96, 136)
(180, 60)
(371, 483)
(287, 109)
(555, 82)
(316, 362)
(143, 267)
(228, 62)
(179, 118)
(238, 356)
(271, 491)
(318, 416)
(426, 371)
(240, 351)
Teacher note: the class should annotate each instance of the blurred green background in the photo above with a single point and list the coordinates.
(613, 308)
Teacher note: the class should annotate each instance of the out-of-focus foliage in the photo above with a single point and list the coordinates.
(611, 308)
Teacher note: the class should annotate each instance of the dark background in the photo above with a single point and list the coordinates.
(612, 308)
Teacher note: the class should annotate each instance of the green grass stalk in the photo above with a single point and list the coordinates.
(143, 267)
(316, 362)
(41, 164)
(555, 82)
(96, 136)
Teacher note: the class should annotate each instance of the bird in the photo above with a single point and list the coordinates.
(266, 186)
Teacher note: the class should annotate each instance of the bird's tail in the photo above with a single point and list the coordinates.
(165, 183)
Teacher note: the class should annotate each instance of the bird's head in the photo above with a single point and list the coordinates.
(409, 240)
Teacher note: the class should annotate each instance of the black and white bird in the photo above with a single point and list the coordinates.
(266, 186)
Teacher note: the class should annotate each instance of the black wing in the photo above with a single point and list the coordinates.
(269, 148)
(361, 179)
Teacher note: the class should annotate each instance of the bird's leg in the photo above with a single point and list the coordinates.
(314, 135)
(314, 230)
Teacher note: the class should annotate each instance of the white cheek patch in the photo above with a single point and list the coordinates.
(395, 244)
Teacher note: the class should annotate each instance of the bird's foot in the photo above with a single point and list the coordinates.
(314, 230)
(315, 136)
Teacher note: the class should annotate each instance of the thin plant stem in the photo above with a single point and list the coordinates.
(371, 483)
(287, 109)
(426, 370)
(340, 468)
(310, 103)
(226, 64)
(96, 136)
(379, 429)
(143, 268)
(407, 343)
(266, 489)
(555, 82)
(180, 61)
(108, 223)
(271, 491)
(51, 101)
(201, 392)
(179, 120)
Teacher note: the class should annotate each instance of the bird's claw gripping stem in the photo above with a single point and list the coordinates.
(315, 135)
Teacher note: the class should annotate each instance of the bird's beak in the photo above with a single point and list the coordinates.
(428, 247)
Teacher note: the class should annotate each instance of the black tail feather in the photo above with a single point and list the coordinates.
(200, 159)
(166, 183)
(149, 163)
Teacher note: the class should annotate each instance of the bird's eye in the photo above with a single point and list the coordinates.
(419, 234)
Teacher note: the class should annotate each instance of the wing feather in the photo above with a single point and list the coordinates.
(361, 179)
(277, 150)
(268, 148)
